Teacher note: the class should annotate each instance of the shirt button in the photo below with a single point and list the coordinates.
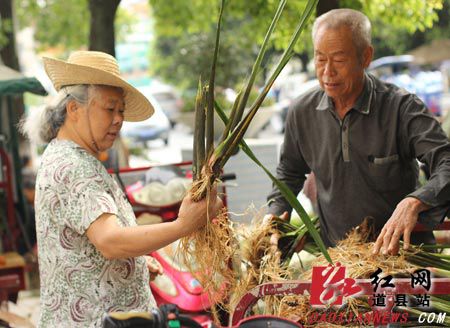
(344, 128)
(344, 146)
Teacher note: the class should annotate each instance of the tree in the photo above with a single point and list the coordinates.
(57, 24)
(101, 36)
(179, 21)
(8, 51)
(74, 24)
(175, 17)
(403, 15)
(8, 45)
(180, 61)
(326, 5)
(249, 18)
(397, 34)
(189, 56)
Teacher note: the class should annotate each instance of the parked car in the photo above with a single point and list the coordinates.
(392, 65)
(155, 127)
(169, 99)
(404, 72)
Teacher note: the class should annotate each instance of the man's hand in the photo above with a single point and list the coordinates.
(154, 267)
(275, 237)
(401, 223)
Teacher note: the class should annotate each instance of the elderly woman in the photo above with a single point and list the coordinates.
(90, 248)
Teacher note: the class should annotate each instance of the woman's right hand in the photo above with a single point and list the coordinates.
(193, 215)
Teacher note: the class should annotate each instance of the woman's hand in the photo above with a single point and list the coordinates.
(154, 267)
(193, 215)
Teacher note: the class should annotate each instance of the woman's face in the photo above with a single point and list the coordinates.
(101, 119)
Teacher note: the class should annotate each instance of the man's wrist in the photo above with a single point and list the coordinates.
(417, 204)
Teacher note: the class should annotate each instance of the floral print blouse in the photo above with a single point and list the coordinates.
(79, 285)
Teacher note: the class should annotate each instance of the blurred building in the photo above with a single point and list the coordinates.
(133, 53)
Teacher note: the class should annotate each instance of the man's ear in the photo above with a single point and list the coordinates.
(368, 56)
(72, 110)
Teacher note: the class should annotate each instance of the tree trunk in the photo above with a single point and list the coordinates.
(304, 58)
(101, 37)
(8, 52)
(326, 5)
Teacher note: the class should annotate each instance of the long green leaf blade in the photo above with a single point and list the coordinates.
(242, 102)
(284, 189)
(210, 96)
(199, 132)
(242, 127)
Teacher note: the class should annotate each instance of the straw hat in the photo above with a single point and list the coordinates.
(94, 67)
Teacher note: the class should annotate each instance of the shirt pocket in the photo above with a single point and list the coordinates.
(385, 173)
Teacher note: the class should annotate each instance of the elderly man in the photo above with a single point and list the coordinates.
(361, 138)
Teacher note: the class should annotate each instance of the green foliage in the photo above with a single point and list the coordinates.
(58, 23)
(401, 41)
(440, 30)
(188, 100)
(176, 17)
(248, 18)
(184, 33)
(185, 38)
(407, 15)
(398, 25)
(25, 10)
(181, 60)
(64, 24)
(123, 24)
(254, 93)
(6, 27)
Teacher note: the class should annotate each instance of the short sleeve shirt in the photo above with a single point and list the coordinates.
(78, 284)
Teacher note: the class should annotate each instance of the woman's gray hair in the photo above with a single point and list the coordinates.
(41, 125)
(358, 23)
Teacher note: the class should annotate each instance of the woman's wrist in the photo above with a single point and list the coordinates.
(182, 227)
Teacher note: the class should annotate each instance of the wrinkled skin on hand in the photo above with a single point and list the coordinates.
(400, 224)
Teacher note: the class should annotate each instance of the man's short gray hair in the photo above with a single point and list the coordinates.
(42, 125)
(358, 23)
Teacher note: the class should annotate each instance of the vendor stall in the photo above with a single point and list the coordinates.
(13, 212)
(12, 84)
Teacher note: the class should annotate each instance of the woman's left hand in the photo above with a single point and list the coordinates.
(154, 267)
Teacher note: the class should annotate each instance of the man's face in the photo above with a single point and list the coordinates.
(339, 68)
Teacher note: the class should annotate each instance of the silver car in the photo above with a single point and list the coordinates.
(155, 127)
(169, 99)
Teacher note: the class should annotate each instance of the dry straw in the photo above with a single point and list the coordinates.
(212, 247)
(355, 254)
